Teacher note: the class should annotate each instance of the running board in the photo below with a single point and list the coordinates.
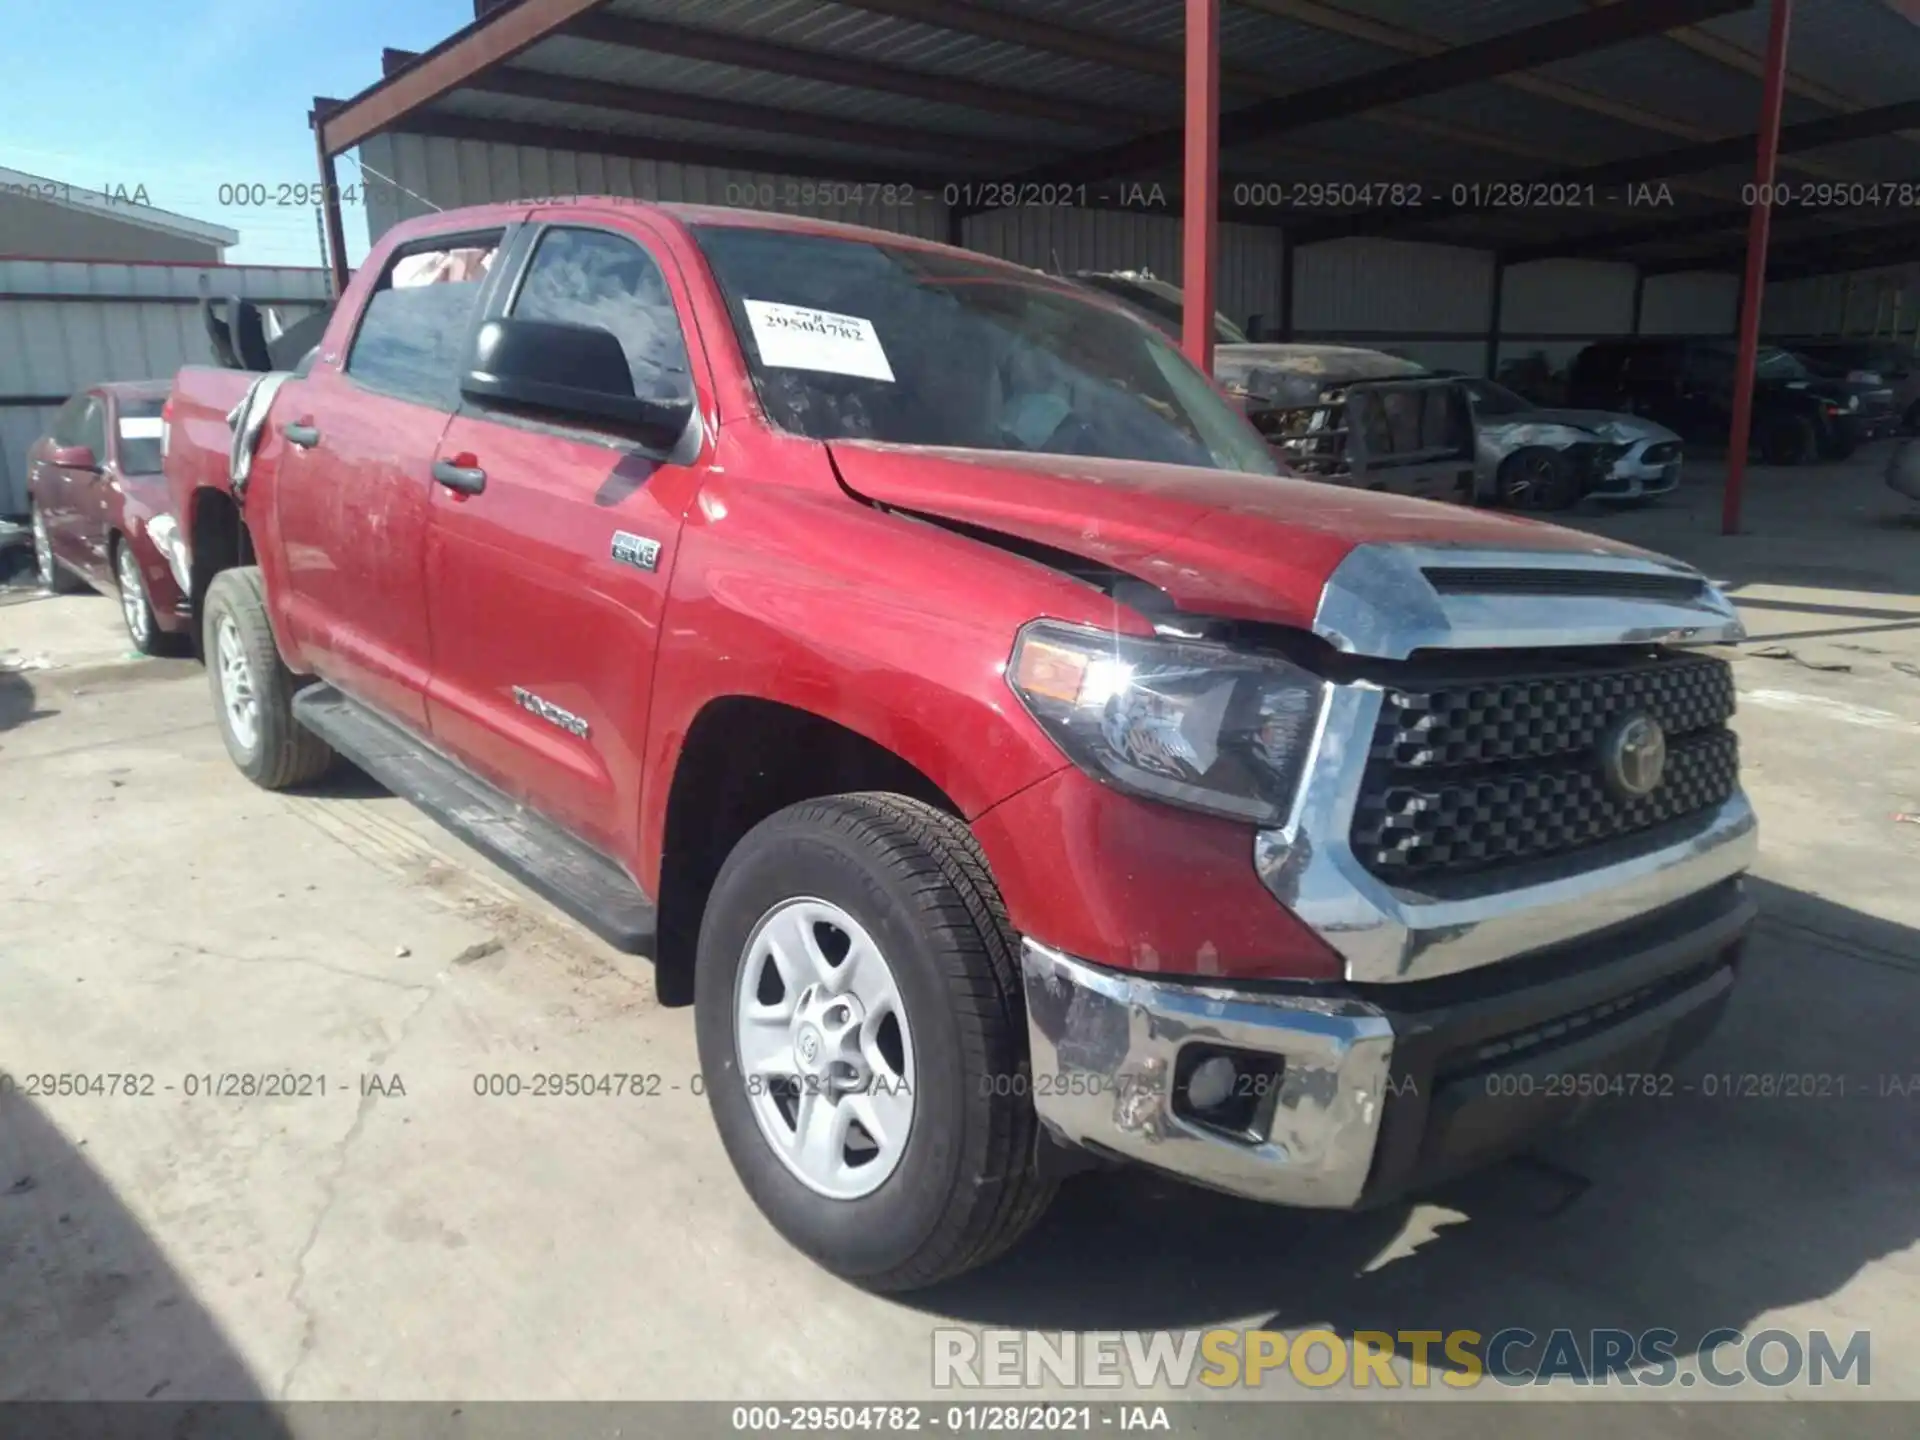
(579, 880)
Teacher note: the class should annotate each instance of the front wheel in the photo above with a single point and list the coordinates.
(1538, 479)
(863, 1040)
(253, 689)
(136, 606)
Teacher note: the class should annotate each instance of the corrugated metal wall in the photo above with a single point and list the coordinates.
(65, 325)
(1545, 299)
(470, 172)
(1883, 302)
(1247, 281)
(1690, 304)
(1426, 302)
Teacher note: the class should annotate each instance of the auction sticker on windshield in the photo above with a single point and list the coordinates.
(794, 337)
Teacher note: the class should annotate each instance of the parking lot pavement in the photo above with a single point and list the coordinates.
(392, 1231)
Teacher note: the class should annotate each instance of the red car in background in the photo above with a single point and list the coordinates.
(100, 511)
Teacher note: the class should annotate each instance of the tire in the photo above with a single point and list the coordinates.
(274, 750)
(1787, 440)
(963, 1186)
(54, 577)
(1537, 478)
(1838, 447)
(136, 606)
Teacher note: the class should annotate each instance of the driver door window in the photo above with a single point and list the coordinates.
(589, 277)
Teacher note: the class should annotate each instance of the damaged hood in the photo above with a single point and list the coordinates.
(1614, 428)
(1217, 542)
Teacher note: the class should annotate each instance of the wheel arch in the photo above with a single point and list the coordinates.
(743, 758)
(218, 539)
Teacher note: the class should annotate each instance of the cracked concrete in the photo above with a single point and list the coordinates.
(395, 1230)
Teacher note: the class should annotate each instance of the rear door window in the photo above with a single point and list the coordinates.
(413, 335)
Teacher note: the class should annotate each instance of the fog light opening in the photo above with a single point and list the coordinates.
(1229, 1091)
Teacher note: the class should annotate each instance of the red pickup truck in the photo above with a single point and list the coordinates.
(927, 666)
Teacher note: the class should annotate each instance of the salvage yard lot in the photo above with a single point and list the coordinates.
(403, 1226)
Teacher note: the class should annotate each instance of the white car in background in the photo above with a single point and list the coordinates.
(1531, 457)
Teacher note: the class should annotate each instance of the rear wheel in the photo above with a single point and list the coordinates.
(863, 1040)
(1538, 479)
(253, 689)
(52, 574)
(1787, 440)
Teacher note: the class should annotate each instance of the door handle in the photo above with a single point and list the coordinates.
(462, 479)
(305, 436)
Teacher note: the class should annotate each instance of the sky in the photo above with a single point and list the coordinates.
(185, 97)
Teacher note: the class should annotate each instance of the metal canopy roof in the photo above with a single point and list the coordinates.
(1637, 115)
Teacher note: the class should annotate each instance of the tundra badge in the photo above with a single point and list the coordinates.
(636, 550)
(550, 712)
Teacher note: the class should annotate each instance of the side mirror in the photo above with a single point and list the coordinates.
(74, 457)
(571, 370)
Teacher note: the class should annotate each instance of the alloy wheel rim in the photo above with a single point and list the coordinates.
(133, 598)
(42, 548)
(236, 685)
(824, 1048)
(1529, 484)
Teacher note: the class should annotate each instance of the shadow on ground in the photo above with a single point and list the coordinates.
(90, 1309)
(1688, 1213)
(18, 704)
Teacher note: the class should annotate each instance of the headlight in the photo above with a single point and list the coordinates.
(1197, 725)
(1853, 402)
(165, 534)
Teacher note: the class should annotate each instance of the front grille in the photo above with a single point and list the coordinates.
(1466, 776)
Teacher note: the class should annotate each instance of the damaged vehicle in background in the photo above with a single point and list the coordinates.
(1338, 413)
(1537, 458)
(1687, 385)
(1873, 363)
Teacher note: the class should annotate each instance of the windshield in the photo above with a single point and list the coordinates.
(1493, 399)
(848, 339)
(139, 437)
(1780, 365)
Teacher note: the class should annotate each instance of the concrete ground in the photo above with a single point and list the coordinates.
(392, 1234)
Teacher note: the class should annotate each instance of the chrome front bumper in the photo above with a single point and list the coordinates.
(1104, 1049)
(1380, 1090)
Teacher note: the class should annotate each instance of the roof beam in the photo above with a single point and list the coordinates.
(733, 114)
(1393, 37)
(1609, 243)
(491, 39)
(644, 147)
(1482, 60)
(1736, 56)
(1858, 249)
(775, 59)
(1034, 34)
(1660, 165)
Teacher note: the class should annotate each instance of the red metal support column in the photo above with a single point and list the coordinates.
(1773, 92)
(1200, 185)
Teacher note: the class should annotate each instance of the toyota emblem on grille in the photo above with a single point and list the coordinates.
(1633, 756)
